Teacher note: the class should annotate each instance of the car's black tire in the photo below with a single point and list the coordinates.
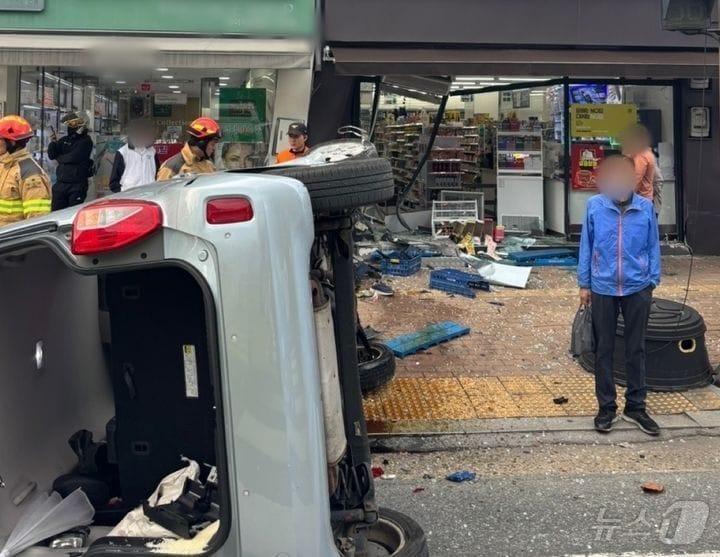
(396, 535)
(340, 186)
(377, 370)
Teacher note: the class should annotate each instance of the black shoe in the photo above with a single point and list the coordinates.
(641, 419)
(604, 421)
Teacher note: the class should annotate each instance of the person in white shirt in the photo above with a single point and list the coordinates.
(136, 163)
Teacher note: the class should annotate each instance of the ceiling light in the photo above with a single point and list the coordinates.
(168, 77)
(120, 82)
(466, 78)
(177, 91)
(477, 84)
(521, 79)
(224, 78)
(174, 86)
(223, 84)
(161, 69)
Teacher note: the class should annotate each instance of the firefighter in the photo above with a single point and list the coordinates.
(297, 137)
(73, 154)
(24, 186)
(197, 153)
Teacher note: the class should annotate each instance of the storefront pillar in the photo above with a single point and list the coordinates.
(209, 105)
(9, 89)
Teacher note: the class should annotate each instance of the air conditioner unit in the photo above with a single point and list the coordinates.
(687, 15)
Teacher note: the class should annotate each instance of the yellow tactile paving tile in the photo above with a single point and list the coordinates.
(703, 400)
(531, 385)
(669, 403)
(429, 399)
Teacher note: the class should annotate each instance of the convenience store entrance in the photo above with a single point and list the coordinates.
(168, 98)
(518, 142)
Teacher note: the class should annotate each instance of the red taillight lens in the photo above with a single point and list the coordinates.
(226, 210)
(113, 224)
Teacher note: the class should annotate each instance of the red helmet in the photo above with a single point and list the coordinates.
(15, 128)
(205, 128)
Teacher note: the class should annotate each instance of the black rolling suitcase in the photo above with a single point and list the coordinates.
(161, 378)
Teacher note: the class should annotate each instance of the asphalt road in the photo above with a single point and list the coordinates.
(534, 506)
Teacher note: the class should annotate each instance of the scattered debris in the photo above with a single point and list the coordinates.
(490, 247)
(495, 303)
(418, 490)
(498, 273)
(388, 476)
(417, 291)
(371, 333)
(427, 476)
(377, 471)
(625, 445)
(652, 487)
(410, 343)
(368, 293)
(561, 400)
(461, 476)
(385, 462)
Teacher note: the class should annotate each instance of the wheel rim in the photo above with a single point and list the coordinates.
(366, 356)
(385, 539)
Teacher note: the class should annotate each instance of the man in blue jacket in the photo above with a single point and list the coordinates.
(618, 268)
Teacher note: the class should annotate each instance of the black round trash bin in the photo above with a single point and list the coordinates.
(676, 355)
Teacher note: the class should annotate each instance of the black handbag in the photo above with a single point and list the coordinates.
(582, 339)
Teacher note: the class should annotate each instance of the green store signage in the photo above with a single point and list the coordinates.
(256, 18)
(242, 114)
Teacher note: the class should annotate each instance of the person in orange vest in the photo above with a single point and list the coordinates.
(297, 137)
(197, 153)
(24, 185)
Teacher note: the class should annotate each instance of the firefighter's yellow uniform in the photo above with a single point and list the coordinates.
(24, 188)
(185, 162)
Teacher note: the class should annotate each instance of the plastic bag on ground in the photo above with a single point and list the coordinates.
(582, 340)
(137, 525)
(47, 516)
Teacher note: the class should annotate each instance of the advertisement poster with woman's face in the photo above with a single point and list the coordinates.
(234, 155)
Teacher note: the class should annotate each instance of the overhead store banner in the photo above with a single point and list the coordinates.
(170, 98)
(257, 18)
(601, 120)
(242, 114)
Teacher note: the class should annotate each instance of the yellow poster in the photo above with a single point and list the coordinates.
(601, 120)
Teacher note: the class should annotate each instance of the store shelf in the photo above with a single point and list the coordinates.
(526, 132)
(520, 152)
(502, 171)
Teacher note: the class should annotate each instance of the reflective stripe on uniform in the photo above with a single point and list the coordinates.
(8, 207)
(36, 206)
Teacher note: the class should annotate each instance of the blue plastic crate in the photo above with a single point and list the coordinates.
(457, 282)
(401, 267)
(533, 254)
(550, 262)
(432, 335)
(451, 286)
(398, 263)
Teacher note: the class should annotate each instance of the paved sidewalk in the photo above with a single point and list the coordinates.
(515, 361)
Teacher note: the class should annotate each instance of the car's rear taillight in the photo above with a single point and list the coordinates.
(226, 210)
(113, 224)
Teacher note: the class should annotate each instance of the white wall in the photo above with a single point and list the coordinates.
(292, 100)
(537, 107)
(454, 103)
(486, 103)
